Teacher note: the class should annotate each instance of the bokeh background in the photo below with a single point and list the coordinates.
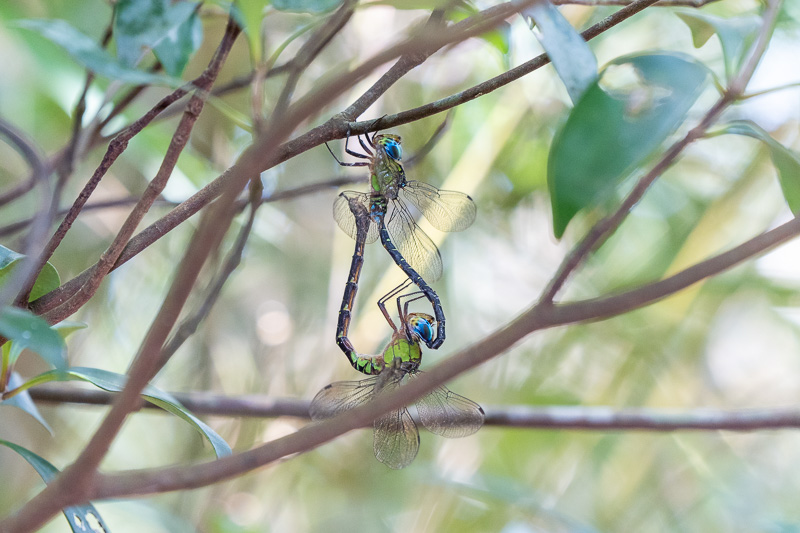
(730, 342)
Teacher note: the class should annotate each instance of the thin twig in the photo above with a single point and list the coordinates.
(582, 418)
(156, 185)
(190, 324)
(311, 49)
(23, 277)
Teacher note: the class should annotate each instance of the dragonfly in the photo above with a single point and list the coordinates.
(395, 434)
(391, 219)
(421, 324)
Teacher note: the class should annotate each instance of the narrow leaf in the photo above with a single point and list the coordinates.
(113, 382)
(179, 44)
(573, 60)
(249, 14)
(81, 518)
(86, 52)
(23, 401)
(47, 280)
(139, 25)
(736, 35)
(26, 330)
(609, 133)
(786, 161)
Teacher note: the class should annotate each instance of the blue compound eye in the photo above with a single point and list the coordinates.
(422, 328)
(394, 150)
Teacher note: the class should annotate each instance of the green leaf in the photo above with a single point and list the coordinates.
(608, 133)
(786, 161)
(86, 52)
(68, 327)
(81, 518)
(249, 14)
(139, 25)
(113, 382)
(306, 6)
(573, 60)
(180, 43)
(26, 330)
(47, 281)
(736, 35)
(23, 401)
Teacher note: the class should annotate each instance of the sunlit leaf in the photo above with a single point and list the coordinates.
(786, 161)
(179, 45)
(573, 60)
(82, 518)
(306, 6)
(249, 14)
(736, 35)
(47, 280)
(609, 133)
(24, 402)
(87, 52)
(113, 382)
(26, 330)
(139, 25)
(68, 327)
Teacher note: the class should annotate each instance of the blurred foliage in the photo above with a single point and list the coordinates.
(729, 342)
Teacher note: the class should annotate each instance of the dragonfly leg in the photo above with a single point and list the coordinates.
(389, 296)
(417, 295)
(356, 154)
(343, 164)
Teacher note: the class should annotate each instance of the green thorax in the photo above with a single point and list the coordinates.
(409, 353)
(386, 172)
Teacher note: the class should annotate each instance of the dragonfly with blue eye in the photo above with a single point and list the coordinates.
(391, 220)
(395, 434)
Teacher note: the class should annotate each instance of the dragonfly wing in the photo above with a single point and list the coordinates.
(395, 439)
(341, 396)
(448, 414)
(414, 244)
(345, 218)
(446, 210)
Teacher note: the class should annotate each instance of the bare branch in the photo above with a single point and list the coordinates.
(582, 418)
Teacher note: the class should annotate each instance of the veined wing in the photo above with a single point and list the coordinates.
(341, 396)
(413, 244)
(395, 439)
(448, 414)
(346, 220)
(446, 210)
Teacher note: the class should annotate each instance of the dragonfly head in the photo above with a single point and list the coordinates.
(420, 327)
(390, 144)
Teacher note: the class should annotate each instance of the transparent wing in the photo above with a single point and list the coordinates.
(395, 439)
(341, 396)
(344, 216)
(448, 414)
(446, 210)
(414, 244)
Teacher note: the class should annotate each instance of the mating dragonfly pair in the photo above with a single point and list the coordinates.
(383, 213)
